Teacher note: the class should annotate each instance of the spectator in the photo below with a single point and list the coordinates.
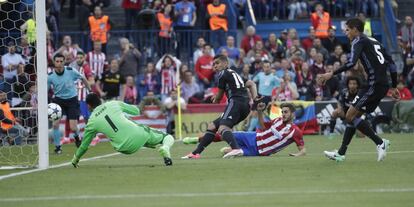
(250, 39)
(304, 81)
(199, 51)
(20, 85)
(68, 50)
(285, 68)
(371, 5)
(275, 47)
(245, 73)
(50, 48)
(407, 34)
(312, 56)
(405, 93)
(28, 53)
(131, 9)
(28, 28)
(297, 9)
(10, 62)
(317, 44)
(296, 49)
(292, 35)
(283, 37)
(150, 100)
(319, 91)
(242, 59)
(232, 51)
(9, 124)
(129, 93)
(259, 49)
(321, 21)
(336, 55)
(287, 91)
(185, 14)
(217, 13)
(99, 27)
(97, 60)
(165, 20)
(190, 89)
(204, 68)
(148, 81)
(129, 62)
(307, 43)
(167, 66)
(51, 22)
(318, 66)
(171, 103)
(267, 81)
(108, 86)
(367, 24)
(331, 41)
(333, 84)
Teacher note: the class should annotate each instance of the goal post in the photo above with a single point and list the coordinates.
(41, 66)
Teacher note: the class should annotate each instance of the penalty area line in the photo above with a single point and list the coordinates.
(205, 194)
(3, 177)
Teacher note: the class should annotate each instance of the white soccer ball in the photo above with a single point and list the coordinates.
(54, 112)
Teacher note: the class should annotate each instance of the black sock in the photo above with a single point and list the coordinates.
(229, 138)
(332, 124)
(348, 134)
(366, 129)
(205, 141)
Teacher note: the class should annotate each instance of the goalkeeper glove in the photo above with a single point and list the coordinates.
(75, 161)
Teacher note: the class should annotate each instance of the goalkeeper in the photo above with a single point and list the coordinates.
(125, 135)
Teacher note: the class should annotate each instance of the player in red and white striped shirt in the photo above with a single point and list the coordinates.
(97, 60)
(272, 137)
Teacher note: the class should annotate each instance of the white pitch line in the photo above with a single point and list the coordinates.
(206, 194)
(54, 166)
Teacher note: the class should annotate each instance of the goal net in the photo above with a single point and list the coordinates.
(19, 76)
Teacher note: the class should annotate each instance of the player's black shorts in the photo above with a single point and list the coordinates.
(369, 97)
(235, 112)
(70, 107)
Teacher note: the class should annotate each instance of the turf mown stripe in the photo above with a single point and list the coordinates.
(206, 194)
(54, 166)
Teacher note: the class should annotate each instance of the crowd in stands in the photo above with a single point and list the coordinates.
(283, 65)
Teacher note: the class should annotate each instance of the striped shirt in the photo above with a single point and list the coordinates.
(168, 80)
(276, 136)
(97, 63)
(85, 71)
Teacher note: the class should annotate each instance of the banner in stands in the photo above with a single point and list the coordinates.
(196, 117)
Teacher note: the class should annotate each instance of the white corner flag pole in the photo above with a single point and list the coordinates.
(41, 66)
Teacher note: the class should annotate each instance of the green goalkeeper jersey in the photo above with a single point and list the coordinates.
(126, 136)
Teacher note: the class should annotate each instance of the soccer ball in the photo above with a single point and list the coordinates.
(54, 112)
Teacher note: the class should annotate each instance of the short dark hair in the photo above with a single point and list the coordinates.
(93, 100)
(58, 56)
(207, 45)
(221, 58)
(350, 78)
(80, 53)
(355, 23)
(288, 105)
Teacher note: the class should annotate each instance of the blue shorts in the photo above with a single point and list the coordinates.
(84, 110)
(247, 142)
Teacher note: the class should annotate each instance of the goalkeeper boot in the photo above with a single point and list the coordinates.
(234, 153)
(191, 156)
(333, 155)
(382, 149)
(167, 161)
(190, 140)
(165, 153)
(78, 142)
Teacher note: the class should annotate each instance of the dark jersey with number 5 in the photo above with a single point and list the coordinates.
(232, 84)
(374, 58)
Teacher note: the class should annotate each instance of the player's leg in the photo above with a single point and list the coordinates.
(73, 113)
(57, 134)
(208, 137)
(335, 114)
(246, 141)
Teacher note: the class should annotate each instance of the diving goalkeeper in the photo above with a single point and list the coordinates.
(125, 135)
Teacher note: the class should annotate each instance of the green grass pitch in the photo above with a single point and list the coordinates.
(141, 179)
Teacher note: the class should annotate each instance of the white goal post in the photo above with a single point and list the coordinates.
(41, 70)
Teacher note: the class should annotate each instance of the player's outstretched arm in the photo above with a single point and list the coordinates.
(129, 109)
(89, 134)
(260, 108)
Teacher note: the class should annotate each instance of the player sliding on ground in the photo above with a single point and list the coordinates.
(237, 109)
(376, 62)
(126, 136)
(270, 138)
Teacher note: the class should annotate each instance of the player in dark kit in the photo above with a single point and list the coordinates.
(376, 62)
(237, 109)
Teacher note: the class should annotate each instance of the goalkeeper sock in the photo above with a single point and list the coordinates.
(56, 137)
(167, 143)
